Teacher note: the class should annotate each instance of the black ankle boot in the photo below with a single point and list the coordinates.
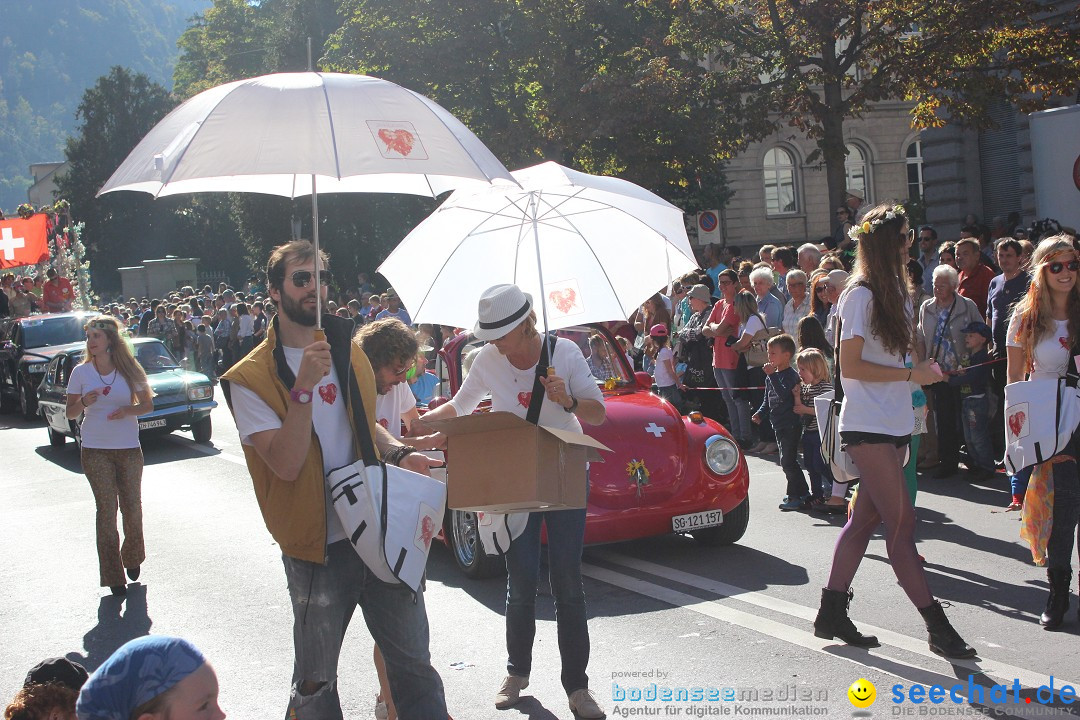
(1058, 602)
(832, 620)
(944, 640)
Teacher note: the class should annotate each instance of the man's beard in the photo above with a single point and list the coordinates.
(294, 310)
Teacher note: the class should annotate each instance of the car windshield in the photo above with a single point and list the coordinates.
(154, 357)
(44, 332)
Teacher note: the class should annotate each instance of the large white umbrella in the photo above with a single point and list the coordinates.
(594, 248)
(296, 134)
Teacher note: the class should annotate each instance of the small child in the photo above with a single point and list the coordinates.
(668, 385)
(814, 373)
(974, 385)
(778, 406)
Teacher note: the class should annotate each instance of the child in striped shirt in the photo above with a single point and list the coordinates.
(814, 374)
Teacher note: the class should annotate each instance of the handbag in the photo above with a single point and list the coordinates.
(827, 411)
(757, 354)
(498, 530)
(390, 514)
(1033, 436)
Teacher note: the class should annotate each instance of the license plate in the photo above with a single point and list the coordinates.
(147, 424)
(697, 521)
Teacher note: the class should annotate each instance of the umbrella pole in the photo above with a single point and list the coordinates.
(318, 263)
(534, 210)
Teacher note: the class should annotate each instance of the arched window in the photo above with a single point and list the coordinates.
(779, 170)
(913, 156)
(858, 172)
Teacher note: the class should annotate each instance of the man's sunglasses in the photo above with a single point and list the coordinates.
(1057, 267)
(302, 278)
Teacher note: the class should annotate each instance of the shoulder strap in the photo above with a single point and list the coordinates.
(838, 387)
(537, 399)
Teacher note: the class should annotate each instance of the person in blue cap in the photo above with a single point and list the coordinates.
(152, 678)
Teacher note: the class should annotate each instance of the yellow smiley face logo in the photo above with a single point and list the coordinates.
(862, 693)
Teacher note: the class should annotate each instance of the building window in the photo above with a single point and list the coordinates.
(913, 156)
(779, 167)
(858, 172)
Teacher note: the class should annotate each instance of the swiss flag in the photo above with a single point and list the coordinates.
(23, 242)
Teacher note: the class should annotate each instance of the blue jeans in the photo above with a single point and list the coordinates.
(976, 423)
(738, 410)
(565, 537)
(323, 600)
(816, 467)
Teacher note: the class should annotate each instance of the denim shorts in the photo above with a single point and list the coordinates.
(848, 438)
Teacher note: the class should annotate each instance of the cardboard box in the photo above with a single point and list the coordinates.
(498, 462)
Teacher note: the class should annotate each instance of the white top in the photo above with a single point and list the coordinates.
(328, 415)
(660, 373)
(873, 407)
(98, 431)
(247, 326)
(751, 327)
(511, 388)
(390, 407)
(1051, 353)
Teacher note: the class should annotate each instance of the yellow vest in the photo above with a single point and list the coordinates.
(295, 512)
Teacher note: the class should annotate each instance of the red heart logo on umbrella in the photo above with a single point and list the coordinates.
(400, 141)
(524, 398)
(1016, 422)
(328, 393)
(565, 300)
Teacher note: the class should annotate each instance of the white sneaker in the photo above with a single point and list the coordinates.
(584, 705)
(510, 692)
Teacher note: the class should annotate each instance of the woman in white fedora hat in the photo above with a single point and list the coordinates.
(507, 367)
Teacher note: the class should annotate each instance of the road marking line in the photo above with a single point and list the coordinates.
(205, 450)
(782, 631)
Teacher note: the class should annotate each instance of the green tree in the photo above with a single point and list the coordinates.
(544, 80)
(815, 64)
(124, 228)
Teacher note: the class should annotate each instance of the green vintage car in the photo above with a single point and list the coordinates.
(182, 399)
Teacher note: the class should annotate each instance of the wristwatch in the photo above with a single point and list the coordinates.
(301, 396)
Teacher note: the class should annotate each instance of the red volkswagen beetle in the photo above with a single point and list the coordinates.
(668, 473)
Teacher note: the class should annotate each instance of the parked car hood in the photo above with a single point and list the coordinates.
(44, 354)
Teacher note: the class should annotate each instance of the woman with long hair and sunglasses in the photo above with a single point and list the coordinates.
(110, 390)
(876, 421)
(1043, 331)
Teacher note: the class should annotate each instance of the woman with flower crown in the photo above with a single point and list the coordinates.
(110, 390)
(876, 334)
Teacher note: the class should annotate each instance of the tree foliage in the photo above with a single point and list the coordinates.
(814, 64)
(122, 229)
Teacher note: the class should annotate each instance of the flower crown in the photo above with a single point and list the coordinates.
(868, 226)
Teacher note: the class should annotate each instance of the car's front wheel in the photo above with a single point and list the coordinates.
(730, 531)
(468, 552)
(56, 439)
(27, 402)
(202, 430)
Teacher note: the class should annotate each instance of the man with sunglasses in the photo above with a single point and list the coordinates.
(300, 404)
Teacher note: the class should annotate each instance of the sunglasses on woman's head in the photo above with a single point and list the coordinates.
(302, 278)
(1056, 267)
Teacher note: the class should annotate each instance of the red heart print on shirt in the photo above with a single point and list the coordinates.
(1064, 342)
(328, 393)
(106, 389)
(524, 398)
(384, 422)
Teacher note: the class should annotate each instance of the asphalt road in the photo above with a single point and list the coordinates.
(662, 611)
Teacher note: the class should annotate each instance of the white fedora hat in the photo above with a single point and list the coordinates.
(501, 309)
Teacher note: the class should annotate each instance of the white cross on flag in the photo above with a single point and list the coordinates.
(23, 242)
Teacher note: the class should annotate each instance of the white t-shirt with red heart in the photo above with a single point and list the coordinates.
(328, 415)
(390, 407)
(511, 387)
(97, 430)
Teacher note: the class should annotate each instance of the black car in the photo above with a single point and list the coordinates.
(182, 399)
(26, 346)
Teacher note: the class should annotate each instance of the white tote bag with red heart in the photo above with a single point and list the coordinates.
(1040, 418)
